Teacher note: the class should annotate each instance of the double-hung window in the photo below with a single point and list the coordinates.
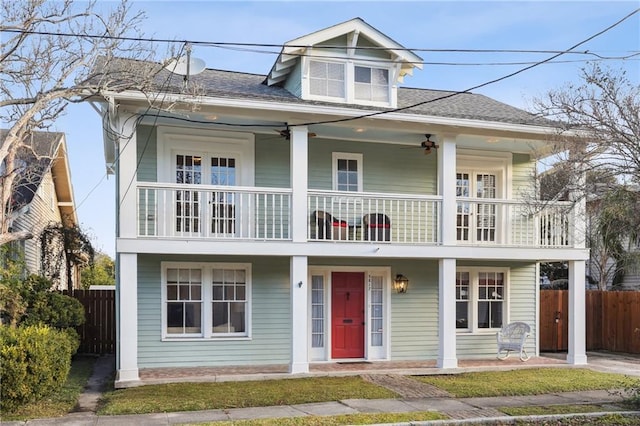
(481, 298)
(206, 300)
(347, 172)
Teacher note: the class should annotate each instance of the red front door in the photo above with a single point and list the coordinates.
(347, 315)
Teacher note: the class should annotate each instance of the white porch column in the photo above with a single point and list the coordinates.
(447, 314)
(299, 183)
(299, 315)
(577, 314)
(127, 315)
(126, 179)
(447, 188)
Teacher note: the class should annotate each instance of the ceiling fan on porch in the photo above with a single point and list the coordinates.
(286, 133)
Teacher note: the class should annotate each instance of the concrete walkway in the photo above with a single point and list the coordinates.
(415, 396)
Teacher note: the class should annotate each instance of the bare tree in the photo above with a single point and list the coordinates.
(53, 53)
(600, 122)
(598, 125)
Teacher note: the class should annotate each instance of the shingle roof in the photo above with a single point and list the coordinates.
(38, 153)
(237, 85)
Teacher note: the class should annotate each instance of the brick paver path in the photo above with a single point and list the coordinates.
(405, 386)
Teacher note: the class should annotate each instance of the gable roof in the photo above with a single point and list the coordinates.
(292, 50)
(43, 152)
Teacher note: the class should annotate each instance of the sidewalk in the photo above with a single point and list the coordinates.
(415, 396)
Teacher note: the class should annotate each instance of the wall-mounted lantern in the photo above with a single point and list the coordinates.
(400, 283)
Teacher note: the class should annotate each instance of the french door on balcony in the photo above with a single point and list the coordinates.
(477, 222)
(205, 212)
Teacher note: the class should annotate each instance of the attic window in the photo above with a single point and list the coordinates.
(371, 84)
(326, 79)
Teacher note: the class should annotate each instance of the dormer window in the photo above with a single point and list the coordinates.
(326, 79)
(371, 84)
(349, 63)
(348, 82)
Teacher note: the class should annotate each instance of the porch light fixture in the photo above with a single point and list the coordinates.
(400, 284)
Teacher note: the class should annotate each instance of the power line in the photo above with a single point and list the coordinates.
(450, 95)
(240, 45)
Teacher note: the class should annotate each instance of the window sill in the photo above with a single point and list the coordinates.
(205, 339)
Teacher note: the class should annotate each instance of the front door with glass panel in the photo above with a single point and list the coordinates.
(477, 221)
(205, 212)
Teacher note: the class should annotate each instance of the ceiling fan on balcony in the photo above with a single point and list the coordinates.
(428, 145)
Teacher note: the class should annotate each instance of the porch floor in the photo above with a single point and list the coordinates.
(280, 371)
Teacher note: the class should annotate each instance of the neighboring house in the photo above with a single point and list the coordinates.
(43, 195)
(277, 222)
(602, 265)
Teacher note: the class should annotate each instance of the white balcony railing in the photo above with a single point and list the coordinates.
(223, 212)
(349, 216)
(514, 223)
(208, 211)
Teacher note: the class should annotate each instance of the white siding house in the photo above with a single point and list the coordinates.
(269, 226)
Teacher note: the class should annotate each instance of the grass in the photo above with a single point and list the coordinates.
(62, 401)
(606, 420)
(351, 419)
(209, 396)
(524, 382)
(542, 410)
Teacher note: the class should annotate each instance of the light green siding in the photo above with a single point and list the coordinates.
(522, 176)
(522, 307)
(386, 168)
(414, 315)
(147, 147)
(272, 161)
(270, 319)
(293, 84)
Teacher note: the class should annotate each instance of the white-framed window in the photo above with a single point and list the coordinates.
(327, 79)
(206, 300)
(481, 298)
(347, 172)
(348, 81)
(371, 84)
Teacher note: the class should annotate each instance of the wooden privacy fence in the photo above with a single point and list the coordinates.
(98, 334)
(613, 320)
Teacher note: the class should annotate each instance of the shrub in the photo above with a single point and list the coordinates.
(34, 362)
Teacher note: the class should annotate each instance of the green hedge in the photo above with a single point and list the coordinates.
(34, 362)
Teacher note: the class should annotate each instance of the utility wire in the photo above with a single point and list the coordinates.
(450, 95)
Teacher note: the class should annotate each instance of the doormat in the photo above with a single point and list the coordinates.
(353, 362)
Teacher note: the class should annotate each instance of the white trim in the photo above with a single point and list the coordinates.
(526, 131)
(206, 269)
(127, 315)
(207, 143)
(335, 156)
(369, 353)
(474, 272)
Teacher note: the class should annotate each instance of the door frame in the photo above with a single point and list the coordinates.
(206, 143)
(474, 162)
(370, 353)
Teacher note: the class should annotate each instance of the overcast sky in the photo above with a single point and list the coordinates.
(513, 25)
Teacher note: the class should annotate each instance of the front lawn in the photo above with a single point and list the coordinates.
(209, 396)
(533, 381)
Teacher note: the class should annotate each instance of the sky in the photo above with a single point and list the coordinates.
(444, 25)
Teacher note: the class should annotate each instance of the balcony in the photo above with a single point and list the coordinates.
(258, 214)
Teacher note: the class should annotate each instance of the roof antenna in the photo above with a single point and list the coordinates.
(186, 65)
